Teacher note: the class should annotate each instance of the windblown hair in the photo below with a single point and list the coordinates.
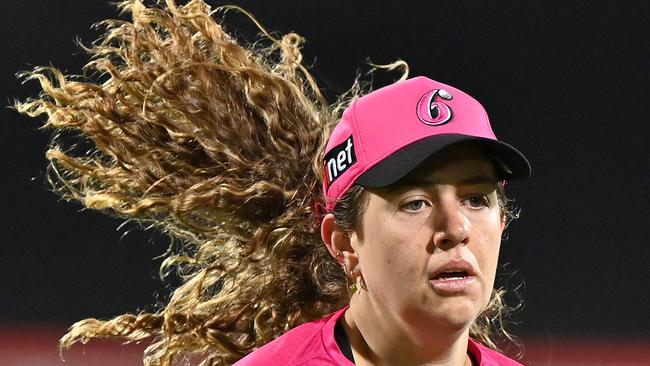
(217, 144)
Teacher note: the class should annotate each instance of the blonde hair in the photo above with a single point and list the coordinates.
(216, 144)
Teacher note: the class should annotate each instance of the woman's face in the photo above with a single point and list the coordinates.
(427, 247)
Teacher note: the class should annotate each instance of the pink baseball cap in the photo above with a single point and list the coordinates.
(386, 134)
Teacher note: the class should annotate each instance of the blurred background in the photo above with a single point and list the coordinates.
(566, 82)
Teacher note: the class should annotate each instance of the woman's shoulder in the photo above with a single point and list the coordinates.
(488, 357)
(306, 344)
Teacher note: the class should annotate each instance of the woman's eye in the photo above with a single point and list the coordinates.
(477, 201)
(415, 205)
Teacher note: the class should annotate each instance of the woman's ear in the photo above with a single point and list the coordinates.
(336, 239)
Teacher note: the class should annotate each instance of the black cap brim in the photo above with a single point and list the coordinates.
(509, 162)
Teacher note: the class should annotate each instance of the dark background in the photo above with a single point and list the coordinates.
(566, 82)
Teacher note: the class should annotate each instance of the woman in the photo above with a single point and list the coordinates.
(224, 147)
(416, 209)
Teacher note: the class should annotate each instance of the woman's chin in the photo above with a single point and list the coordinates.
(452, 313)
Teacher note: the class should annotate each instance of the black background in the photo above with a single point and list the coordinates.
(566, 82)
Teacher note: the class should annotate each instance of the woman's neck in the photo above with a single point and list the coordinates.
(378, 337)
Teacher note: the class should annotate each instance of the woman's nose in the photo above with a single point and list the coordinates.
(451, 226)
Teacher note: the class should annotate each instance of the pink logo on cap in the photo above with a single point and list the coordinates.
(432, 112)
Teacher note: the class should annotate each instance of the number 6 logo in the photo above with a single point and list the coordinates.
(432, 112)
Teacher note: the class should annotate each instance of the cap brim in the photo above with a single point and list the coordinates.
(509, 162)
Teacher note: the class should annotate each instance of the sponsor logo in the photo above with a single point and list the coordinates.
(434, 112)
(338, 160)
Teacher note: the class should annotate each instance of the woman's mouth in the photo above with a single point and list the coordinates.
(452, 282)
(454, 277)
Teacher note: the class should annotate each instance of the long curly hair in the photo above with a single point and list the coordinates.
(217, 144)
